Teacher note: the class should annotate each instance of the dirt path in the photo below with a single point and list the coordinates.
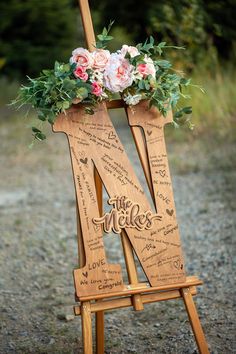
(38, 251)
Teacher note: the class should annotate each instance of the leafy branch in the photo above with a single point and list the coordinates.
(55, 90)
(51, 93)
(104, 37)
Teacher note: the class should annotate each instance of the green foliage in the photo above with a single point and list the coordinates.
(104, 37)
(52, 93)
(168, 87)
(33, 34)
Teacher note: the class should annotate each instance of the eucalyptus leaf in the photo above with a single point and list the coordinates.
(40, 136)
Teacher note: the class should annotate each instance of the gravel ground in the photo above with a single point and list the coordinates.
(38, 251)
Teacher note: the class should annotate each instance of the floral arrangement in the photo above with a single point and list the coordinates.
(135, 72)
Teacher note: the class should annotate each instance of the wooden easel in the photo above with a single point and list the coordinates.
(99, 285)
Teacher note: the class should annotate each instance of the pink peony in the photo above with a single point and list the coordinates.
(82, 57)
(100, 59)
(80, 72)
(133, 51)
(96, 89)
(118, 74)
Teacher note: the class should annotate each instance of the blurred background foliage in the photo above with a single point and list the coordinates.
(33, 34)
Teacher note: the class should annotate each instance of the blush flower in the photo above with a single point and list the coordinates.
(142, 69)
(100, 59)
(133, 51)
(80, 72)
(147, 68)
(150, 66)
(118, 74)
(96, 89)
(82, 57)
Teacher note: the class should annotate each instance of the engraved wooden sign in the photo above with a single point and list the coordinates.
(153, 234)
(152, 124)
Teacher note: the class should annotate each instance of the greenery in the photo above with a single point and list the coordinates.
(169, 85)
(54, 91)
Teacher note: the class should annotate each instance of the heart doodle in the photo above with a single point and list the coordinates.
(96, 227)
(84, 161)
(149, 132)
(85, 274)
(162, 173)
(170, 212)
(111, 136)
(177, 264)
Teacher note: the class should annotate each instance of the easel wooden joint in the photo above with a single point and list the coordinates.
(99, 285)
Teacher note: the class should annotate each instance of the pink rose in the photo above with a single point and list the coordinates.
(82, 57)
(142, 69)
(147, 68)
(100, 59)
(96, 89)
(118, 74)
(150, 66)
(80, 72)
(133, 51)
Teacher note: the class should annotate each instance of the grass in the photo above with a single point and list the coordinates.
(215, 111)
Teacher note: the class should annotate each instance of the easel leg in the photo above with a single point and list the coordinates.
(87, 327)
(100, 340)
(194, 320)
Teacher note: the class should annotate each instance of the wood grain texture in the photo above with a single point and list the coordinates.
(152, 123)
(131, 270)
(87, 24)
(100, 332)
(87, 327)
(141, 288)
(112, 304)
(96, 271)
(194, 321)
(94, 142)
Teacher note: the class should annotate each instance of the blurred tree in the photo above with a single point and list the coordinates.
(220, 23)
(33, 34)
(204, 27)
